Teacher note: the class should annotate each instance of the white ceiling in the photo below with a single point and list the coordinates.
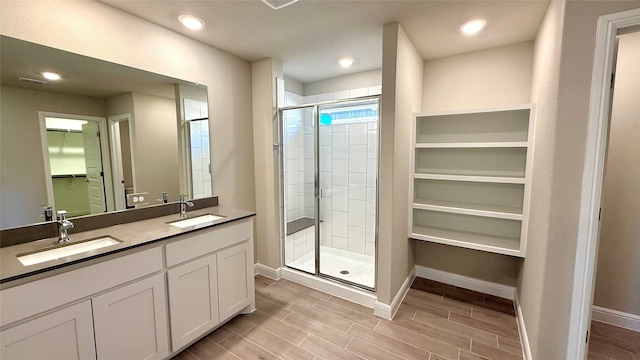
(311, 35)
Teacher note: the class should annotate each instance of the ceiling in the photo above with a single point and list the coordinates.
(83, 75)
(311, 35)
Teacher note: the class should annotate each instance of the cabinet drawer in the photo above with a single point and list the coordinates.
(208, 240)
(35, 297)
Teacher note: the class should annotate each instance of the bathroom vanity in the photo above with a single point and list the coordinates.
(156, 291)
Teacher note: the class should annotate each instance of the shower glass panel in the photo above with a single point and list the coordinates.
(330, 189)
(299, 188)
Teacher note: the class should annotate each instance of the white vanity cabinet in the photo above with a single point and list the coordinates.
(63, 334)
(206, 290)
(131, 321)
(148, 303)
(193, 299)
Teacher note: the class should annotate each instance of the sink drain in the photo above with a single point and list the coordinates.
(344, 272)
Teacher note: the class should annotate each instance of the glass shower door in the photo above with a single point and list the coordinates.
(298, 137)
(348, 149)
(330, 190)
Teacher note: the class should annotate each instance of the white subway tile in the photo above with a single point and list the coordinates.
(325, 183)
(324, 97)
(358, 92)
(358, 134)
(340, 198)
(370, 229)
(358, 158)
(325, 233)
(340, 128)
(339, 172)
(372, 172)
(357, 186)
(300, 250)
(300, 182)
(196, 178)
(308, 146)
(371, 201)
(207, 188)
(375, 90)
(289, 250)
(309, 212)
(292, 197)
(309, 171)
(340, 145)
(291, 146)
(196, 159)
(356, 240)
(325, 135)
(372, 144)
(310, 99)
(370, 249)
(309, 197)
(338, 242)
(340, 95)
(357, 210)
(339, 223)
(300, 238)
(292, 171)
(325, 209)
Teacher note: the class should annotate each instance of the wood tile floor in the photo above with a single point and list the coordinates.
(609, 342)
(295, 322)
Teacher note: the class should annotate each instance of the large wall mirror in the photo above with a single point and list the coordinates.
(102, 132)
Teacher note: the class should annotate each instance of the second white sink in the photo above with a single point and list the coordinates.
(66, 250)
(202, 220)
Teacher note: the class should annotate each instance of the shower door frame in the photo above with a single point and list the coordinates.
(279, 145)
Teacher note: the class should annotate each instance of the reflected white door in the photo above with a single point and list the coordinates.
(93, 163)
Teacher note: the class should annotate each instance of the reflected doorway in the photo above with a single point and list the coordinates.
(74, 156)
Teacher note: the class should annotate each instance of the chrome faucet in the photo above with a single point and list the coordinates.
(164, 198)
(183, 206)
(63, 226)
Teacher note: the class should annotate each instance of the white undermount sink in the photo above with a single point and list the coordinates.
(60, 251)
(196, 221)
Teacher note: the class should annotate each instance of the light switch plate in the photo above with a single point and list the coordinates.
(138, 199)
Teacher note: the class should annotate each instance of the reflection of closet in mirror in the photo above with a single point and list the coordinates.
(73, 151)
(196, 115)
(121, 135)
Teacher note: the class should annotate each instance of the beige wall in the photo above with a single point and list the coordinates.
(352, 81)
(268, 247)
(481, 79)
(22, 178)
(617, 277)
(155, 146)
(97, 30)
(563, 68)
(401, 96)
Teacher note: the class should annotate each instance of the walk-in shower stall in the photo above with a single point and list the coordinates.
(329, 186)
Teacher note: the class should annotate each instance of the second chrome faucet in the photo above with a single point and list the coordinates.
(183, 206)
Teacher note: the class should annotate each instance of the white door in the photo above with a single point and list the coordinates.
(193, 300)
(62, 335)
(93, 163)
(131, 322)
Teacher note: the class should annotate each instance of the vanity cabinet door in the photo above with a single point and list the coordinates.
(131, 322)
(235, 279)
(193, 300)
(64, 334)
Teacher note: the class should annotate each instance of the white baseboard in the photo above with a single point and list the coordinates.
(524, 338)
(487, 287)
(617, 318)
(264, 270)
(388, 311)
(362, 297)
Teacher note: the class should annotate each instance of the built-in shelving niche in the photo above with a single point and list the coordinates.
(471, 176)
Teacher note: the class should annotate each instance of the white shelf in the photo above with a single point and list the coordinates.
(469, 240)
(462, 145)
(499, 212)
(489, 179)
(471, 178)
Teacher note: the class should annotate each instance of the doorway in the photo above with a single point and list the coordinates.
(75, 154)
(330, 161)
(121, 132)
(609, 27)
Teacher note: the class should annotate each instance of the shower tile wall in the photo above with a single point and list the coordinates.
(348, 160)
(200, 158)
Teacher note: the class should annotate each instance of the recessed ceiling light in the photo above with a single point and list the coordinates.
(346, 62)
(473, 27)
(51, 76)
(192, 22)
